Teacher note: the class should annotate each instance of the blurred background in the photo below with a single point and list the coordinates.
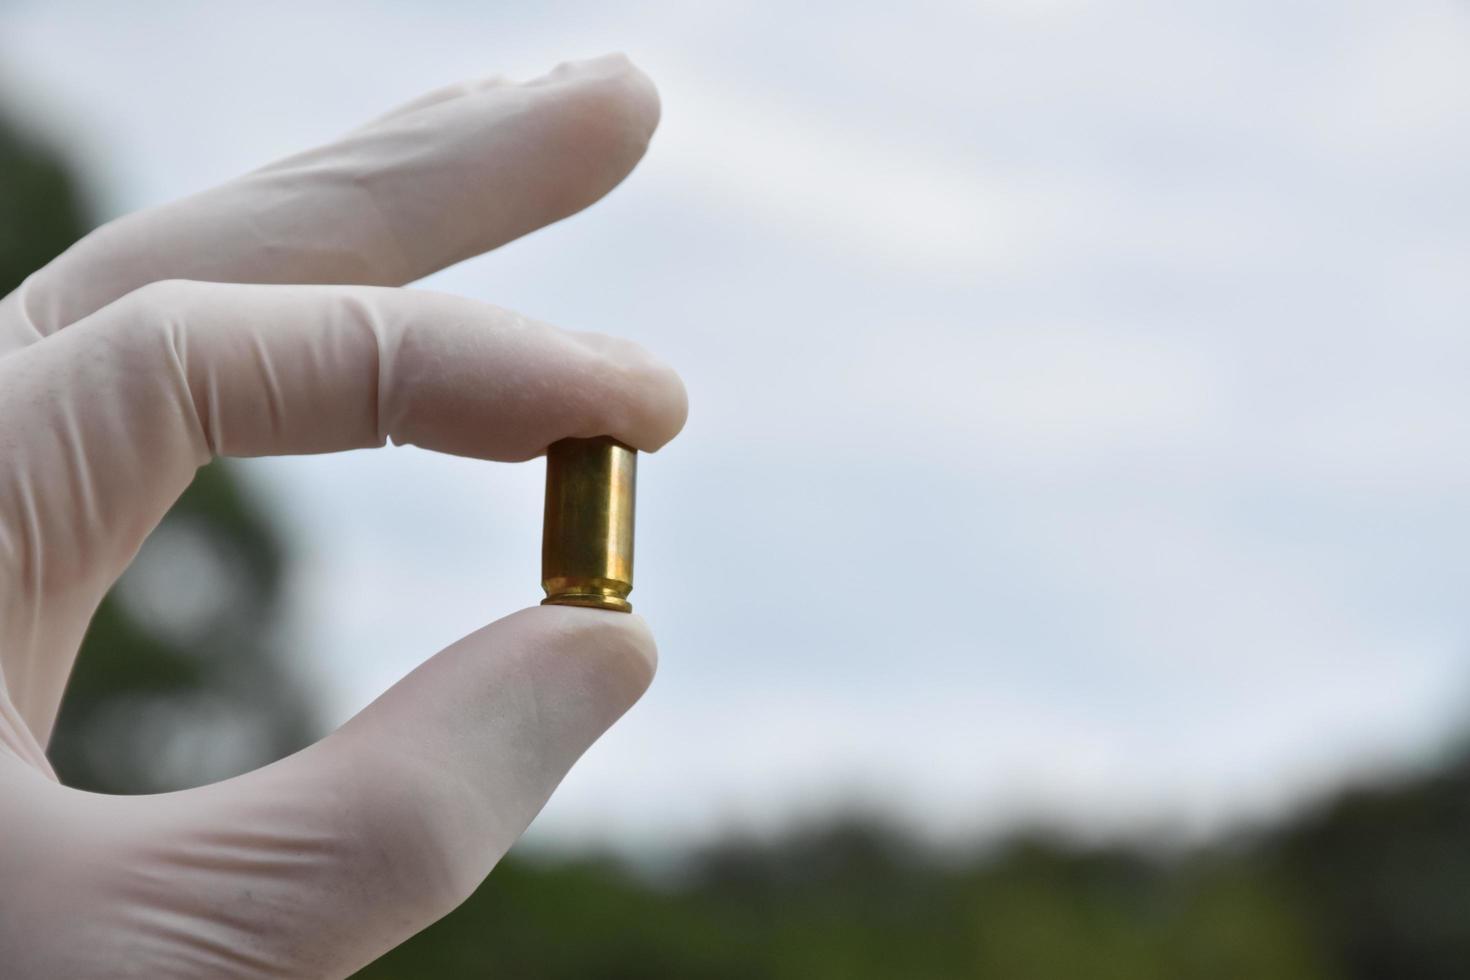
(1064, 570)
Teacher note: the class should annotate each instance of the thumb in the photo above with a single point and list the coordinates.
(318, 864)
(479, 737)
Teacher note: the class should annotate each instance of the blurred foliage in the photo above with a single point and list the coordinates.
(1374, 884)
(155, 705)
(41, 208)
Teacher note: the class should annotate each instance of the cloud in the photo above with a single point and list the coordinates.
(1077, 404)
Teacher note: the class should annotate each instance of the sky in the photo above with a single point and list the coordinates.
(1079, 417)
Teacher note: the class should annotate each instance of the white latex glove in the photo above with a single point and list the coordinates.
(136, 356)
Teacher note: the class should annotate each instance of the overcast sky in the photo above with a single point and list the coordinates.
(1080, 422)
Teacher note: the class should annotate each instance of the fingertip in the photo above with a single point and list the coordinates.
(615, 69)
(611, 93)
(669, 412)
(618, 646)
(643, 400)
(657, 402)
(641, 94)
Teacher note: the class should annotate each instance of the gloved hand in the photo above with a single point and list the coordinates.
(141, 353)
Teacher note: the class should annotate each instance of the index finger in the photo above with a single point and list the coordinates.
(456, 174)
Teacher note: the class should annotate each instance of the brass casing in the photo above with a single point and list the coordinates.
(587, 536)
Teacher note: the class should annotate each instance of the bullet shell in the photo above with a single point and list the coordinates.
(587, 535)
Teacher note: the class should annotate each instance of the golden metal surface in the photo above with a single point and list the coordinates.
(587, 536)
